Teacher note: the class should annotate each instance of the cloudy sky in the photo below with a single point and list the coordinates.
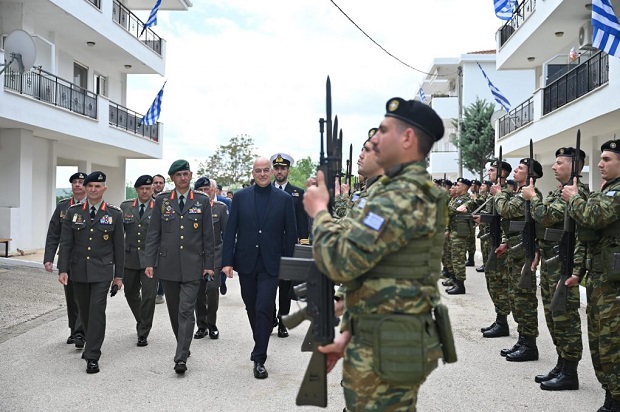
(259, 68)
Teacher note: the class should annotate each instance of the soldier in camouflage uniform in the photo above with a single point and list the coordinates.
(598, 225)
(565, 327)
(401, 221)
(446, 257)
(524, 303)
(458, 233)
(481, 202)
(471, 240)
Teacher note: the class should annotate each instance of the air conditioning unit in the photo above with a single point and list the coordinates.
(585, 36)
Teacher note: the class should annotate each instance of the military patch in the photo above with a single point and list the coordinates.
(63, 213)
(106, 220)
(611, 193)
(198, 204)
(194, 210)
(374, 221)
(75, 218)
(295, 194)
(106, 237)
(361, 204)
(195, 225)
(355, 197)
(459, 201)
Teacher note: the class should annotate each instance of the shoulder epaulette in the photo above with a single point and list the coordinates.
(127, 201)
(66, 199)
(197, 192)
(219, 202)
(164, 193)
(76, 204)
(113, 207)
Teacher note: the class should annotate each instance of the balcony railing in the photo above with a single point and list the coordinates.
(518, 117)
(130, 22)
(584, 78)
(131, 121)
(52, 89)
(96, 3)
(525, 9)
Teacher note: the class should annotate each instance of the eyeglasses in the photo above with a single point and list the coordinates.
(264, 170)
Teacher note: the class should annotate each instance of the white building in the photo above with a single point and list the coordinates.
(71, 109)
(455, 84)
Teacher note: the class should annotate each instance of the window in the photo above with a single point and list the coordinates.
(100, 85)
(80, 75)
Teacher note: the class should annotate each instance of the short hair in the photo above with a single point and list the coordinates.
(158, 175)
(425, 141)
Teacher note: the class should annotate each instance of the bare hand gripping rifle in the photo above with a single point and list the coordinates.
(493, 219)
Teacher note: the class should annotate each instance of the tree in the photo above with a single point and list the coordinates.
(477, 137)
(231, 164)
(303, 169)
(130, 191)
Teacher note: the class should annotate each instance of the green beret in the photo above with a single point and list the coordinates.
(416, 114)
(177, 166)
(97, 177)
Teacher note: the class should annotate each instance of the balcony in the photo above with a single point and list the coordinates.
(133, 25)
(583, 78)
(51, 89)
(525, 10)
(518, 117)
(126, 119)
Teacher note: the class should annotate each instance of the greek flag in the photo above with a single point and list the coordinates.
(154, 111)
(605, 27)
(497, 94)
(505, 8)
(422, 95)
(152, 20)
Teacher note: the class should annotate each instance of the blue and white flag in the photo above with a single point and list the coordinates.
(422, 95)
(497, 94)
(152, 20)
(505, 8)
(605, 27)
(154, 111)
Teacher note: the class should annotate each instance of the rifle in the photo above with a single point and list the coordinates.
(528, 235)
(493, 219)
(567, 241)
(350, 168)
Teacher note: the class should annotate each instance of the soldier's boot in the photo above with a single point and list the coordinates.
(480, 269)
(449, 281)
(458, 289)
(470, 261)
(607, 404)
(567, 379)
(445, 273)
(484, 329)
(552, 373)
(615, 405)
(527, 352)
(505, 352)
(500, 329)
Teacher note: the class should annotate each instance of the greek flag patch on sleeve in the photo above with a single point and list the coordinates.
(374, 221)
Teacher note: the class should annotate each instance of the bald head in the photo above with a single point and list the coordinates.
(261, 171)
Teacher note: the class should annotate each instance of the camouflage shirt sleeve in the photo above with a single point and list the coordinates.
(598, 210)
(341, 205)
(550, 211)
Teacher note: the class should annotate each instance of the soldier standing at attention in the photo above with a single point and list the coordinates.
(482, 200)
(598, 225)
(402, 220)
(471, 240)
(140, 290)
(159, 182)
(458, 233)
(446, 257)
(51, 245)
(92, 252)
(179, 250)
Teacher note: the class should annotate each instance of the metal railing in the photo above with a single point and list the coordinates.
(52, 89)
(131, 121)
(582, 79)
(525, 9)
(96, 3)
(517, 117)
(130, 22)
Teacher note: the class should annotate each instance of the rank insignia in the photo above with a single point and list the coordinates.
(295, 194)
(106, 237)
(195, 225)
(612, 145)
(393, 105)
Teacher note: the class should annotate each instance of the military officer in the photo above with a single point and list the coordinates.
(92, 254)
(403, 216)
(159, 183)
(140, 290)
(598, 225)
(179, 251)
(51, 245)
(459, 231)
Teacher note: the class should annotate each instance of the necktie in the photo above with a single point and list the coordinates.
(93, 212)
(141, 209)
(181, 202)
(281, 188)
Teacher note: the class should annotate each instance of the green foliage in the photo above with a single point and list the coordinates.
(130, 191)
(65, 194)
(302, 170)
(477, 139)
(231, 164)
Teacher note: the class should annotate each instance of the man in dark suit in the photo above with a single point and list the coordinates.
(140, 290)
(92, 251)
(261, 229)
(281, 166)
(179, 250)
(51, 245)
(223, 198)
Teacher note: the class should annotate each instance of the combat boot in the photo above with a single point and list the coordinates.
(527, 352)
(458, 289)
(470, 261)
(480, 269)
(615, 405)
(567, 379)
(445, 273)
(484, 329)
(500, 329)
(607, 404)
(552, 373)
(449, 281)
(505, 352)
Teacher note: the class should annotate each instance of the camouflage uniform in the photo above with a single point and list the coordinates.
(446, 257)
(601, 212)
(341, 205)
(399, 216)
(483, 229)
(459, 241)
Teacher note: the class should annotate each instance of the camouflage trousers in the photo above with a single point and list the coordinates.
(485, 248)
(471, 242)
(364, 390)
(497, 285)
(524, 302)
(604, 330)
(564, 328)
(458, 248)
(446, 258)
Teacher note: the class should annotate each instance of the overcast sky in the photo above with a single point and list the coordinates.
(259, 68)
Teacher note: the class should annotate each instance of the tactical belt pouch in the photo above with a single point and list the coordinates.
(444, 329)
(463, 228)
(514, 250)
(585, 234)
(550, 259)
(612, 263)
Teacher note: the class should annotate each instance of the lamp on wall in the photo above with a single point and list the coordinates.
(90, 43)
(531, 59)
(128, 66)
(559, 33)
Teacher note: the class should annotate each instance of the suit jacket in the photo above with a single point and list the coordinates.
(301, 217)
(220, 219)
(92, 251)
(136, 228)
(275, 236)
(180, 245)
(224, 200)
(53, 231)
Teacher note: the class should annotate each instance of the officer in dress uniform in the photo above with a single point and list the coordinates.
(179, 250)
(140, 290)
(92, 255)
(51, 245)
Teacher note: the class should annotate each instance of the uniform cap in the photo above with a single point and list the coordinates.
(611, 146)
(488, 183)
(476, 182)
(143, 180)
(536, 170)
(372, 132)
(505, 165)
(466, 182)
(447, 182)
(416, 114)
(281, 159)
(569, 152)
(202, 182)
(78, 175)
(98, 177)
(177, 166)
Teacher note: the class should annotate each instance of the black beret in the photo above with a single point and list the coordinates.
(505, 165)
(177, 166)
(203, 181)
(510, 182)
(447, 182)
(143, 180)
(437, 181)
(611, 146)
(372, 132)
(78, 175)
(416, 114)
(98, 177)
(466, 182)
(537, 169)
(476, 182)
(488, 183)
(569, 152)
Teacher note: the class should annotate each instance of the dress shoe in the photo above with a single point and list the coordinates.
(282, 332)
(458, 289)
(180, 367)
(200, 333)
(159, 299)
(527, 352)
(142, 341)
(259, 371)
(70, 340)
(79, 342)
(275, 322)
(214, 333)
(223, 289)
(480, 269)
(92, 366)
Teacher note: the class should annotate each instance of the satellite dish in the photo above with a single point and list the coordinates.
(496, 116)
(20, 51)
